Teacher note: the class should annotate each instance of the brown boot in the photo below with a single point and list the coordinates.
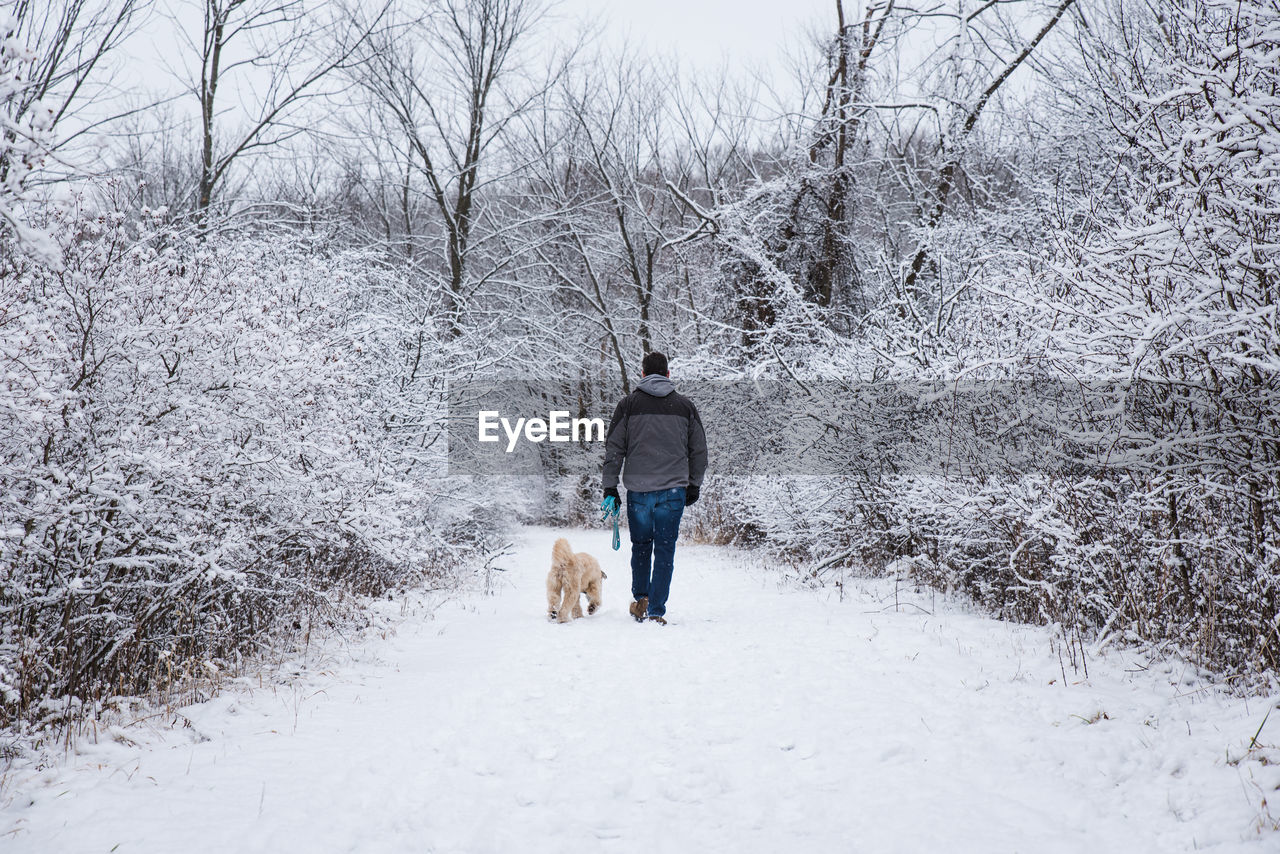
(639, 607)
(653, 618)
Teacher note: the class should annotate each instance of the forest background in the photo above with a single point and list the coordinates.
(981, 293)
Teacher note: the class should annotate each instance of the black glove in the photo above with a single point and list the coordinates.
(691, 494)
(612, 492)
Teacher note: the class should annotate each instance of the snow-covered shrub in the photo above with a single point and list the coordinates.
(1166, 284)
(198, 440)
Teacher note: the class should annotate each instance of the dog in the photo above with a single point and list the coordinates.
(570, 576)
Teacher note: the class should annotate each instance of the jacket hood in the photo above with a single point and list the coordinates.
(656, 385)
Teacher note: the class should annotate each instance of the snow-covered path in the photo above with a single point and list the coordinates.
(761, 719)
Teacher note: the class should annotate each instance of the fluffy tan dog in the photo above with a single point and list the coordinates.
(572, 575)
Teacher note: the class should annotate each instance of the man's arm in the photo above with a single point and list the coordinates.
(615, 446)
(697, 448)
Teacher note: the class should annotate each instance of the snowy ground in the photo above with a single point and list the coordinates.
(760, 719)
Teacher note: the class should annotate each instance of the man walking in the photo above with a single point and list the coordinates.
(657, 444)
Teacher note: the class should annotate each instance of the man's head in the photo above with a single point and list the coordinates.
(654, 363)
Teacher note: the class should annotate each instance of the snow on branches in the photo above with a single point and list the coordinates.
(23, 141)
(197, 438)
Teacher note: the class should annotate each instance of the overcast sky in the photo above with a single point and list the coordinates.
(705, 32)
(744, 35)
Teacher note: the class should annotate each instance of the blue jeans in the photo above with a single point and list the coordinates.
(654, 520)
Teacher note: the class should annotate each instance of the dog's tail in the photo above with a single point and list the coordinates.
(561, 556)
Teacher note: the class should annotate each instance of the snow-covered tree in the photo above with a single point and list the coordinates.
(24, 136)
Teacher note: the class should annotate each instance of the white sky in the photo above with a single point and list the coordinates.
(706, 33)
(703, 35)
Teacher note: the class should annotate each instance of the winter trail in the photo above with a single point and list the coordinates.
(761, 719)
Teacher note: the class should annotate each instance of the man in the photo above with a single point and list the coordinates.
(656, 442)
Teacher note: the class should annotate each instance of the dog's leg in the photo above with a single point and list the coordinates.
(593, 596)
(553, 598)
(569, 604)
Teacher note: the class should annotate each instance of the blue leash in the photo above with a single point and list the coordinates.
(610, 508)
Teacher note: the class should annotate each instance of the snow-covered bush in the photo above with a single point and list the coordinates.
(198, 440)
(1166, 285)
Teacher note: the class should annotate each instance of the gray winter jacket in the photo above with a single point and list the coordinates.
(659, 436)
